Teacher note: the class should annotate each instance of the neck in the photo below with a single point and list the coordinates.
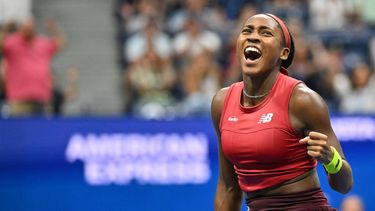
(27, 37)
(256, 88)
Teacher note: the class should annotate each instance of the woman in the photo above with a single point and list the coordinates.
(272, 129)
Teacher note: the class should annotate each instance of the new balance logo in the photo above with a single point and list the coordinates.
(265, 118)
(233, 119)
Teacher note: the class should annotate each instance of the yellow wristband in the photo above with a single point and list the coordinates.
(335, 164)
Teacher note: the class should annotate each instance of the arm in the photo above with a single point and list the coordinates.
(310, 115)
(228, 195)
(56, 34)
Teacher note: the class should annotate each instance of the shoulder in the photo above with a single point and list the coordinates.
(305, 98)
(9, 42)
(219, 98)
(217, 105)
(307, 106)
(11, 37)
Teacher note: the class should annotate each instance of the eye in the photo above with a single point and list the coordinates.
(267, 33)
(246, 30)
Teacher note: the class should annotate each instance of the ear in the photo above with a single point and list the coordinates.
(284, 54)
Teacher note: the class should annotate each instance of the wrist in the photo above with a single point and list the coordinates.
(334, 166)
(330, 157)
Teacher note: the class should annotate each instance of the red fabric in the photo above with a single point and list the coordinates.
(27, 68)
(310, 200)
(260, 140)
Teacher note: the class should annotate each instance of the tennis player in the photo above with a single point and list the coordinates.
(273, 130)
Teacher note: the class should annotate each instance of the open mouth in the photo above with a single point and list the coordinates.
(252, 53)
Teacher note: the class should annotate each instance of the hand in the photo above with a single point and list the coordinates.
(51, 25)
(317, 147)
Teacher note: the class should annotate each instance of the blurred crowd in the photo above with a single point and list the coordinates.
(175, 54)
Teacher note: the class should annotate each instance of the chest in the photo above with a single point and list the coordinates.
(36, 48)
(260, 137)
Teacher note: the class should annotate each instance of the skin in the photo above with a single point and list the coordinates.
(352, 203)
(308, 114)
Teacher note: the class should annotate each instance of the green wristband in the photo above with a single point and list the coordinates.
(335, 164)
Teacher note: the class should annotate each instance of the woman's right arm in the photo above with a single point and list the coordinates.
(228, 194)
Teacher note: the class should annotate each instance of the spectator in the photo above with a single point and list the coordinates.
(28, 58)
(359, 96)
(312, 58)
(303, 66)
(150, 80)
(132, 17)
(352, 203)
(322, 17)
(286, 9)
(63, 95)
(357, 35)
(192, 8)
(195, 39)
(151, 37)
(136, 15)
(323, 80)
(201, 82)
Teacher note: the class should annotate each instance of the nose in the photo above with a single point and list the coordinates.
(253, 38)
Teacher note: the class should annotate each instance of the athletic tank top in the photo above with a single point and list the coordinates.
(260, 141)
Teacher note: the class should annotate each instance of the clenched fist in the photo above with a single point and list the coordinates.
(317, 147)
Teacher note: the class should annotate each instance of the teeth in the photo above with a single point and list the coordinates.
(248, 49)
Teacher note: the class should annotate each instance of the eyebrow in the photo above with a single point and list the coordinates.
(260, 27)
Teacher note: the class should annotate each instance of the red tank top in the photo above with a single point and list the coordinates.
(260, 140)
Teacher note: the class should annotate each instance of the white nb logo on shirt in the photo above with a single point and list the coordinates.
(265, 118)
(233, 119)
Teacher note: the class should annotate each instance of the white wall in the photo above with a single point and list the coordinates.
(17, 10)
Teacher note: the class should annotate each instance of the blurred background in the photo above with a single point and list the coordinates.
(105, 105)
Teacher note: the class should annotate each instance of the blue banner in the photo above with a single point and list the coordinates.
(130, 164)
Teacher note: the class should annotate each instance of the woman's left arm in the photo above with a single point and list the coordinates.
(310, 112)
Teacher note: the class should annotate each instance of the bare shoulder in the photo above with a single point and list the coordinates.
(217, 105)
(220, 96)
(308, 107)
(303, 97)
